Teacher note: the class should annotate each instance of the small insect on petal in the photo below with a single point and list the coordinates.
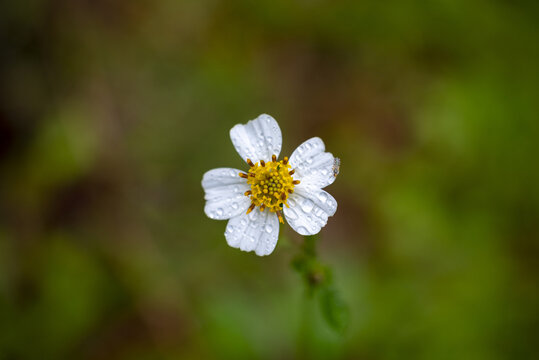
(336, 166)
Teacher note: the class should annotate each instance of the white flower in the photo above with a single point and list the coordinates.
(292, 187)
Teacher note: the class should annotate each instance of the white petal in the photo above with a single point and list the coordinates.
(225, 193)
(309, 209)
(259, 139)
(313, 166)
(257, 231)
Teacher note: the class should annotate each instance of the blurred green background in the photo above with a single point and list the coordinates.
(111, 111)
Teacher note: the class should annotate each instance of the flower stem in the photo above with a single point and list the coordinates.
(318, 281)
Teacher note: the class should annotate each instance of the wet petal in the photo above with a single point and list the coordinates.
(309, 209)
(257, 140)
(257, 231)
(224, 193)
(314, 166)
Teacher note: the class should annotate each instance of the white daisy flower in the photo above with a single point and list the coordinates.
(291, 187)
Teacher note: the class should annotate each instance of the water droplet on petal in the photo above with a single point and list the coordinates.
(322, 196)
(307, 205)
(253, 216)
(291, 214)
(268, 228)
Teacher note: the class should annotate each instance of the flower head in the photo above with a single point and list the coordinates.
(256, 201)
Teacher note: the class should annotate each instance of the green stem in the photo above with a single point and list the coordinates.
(318, 282)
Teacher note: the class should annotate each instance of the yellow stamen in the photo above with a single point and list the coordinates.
(251, 208)
(280, 216)
(271, 184)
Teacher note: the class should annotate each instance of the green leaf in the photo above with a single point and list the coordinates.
(334, 310)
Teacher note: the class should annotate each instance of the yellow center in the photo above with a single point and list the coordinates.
(271, 184)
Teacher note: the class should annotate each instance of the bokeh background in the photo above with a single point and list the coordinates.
(111, 111)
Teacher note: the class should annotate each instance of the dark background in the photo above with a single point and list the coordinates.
(111, 111)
